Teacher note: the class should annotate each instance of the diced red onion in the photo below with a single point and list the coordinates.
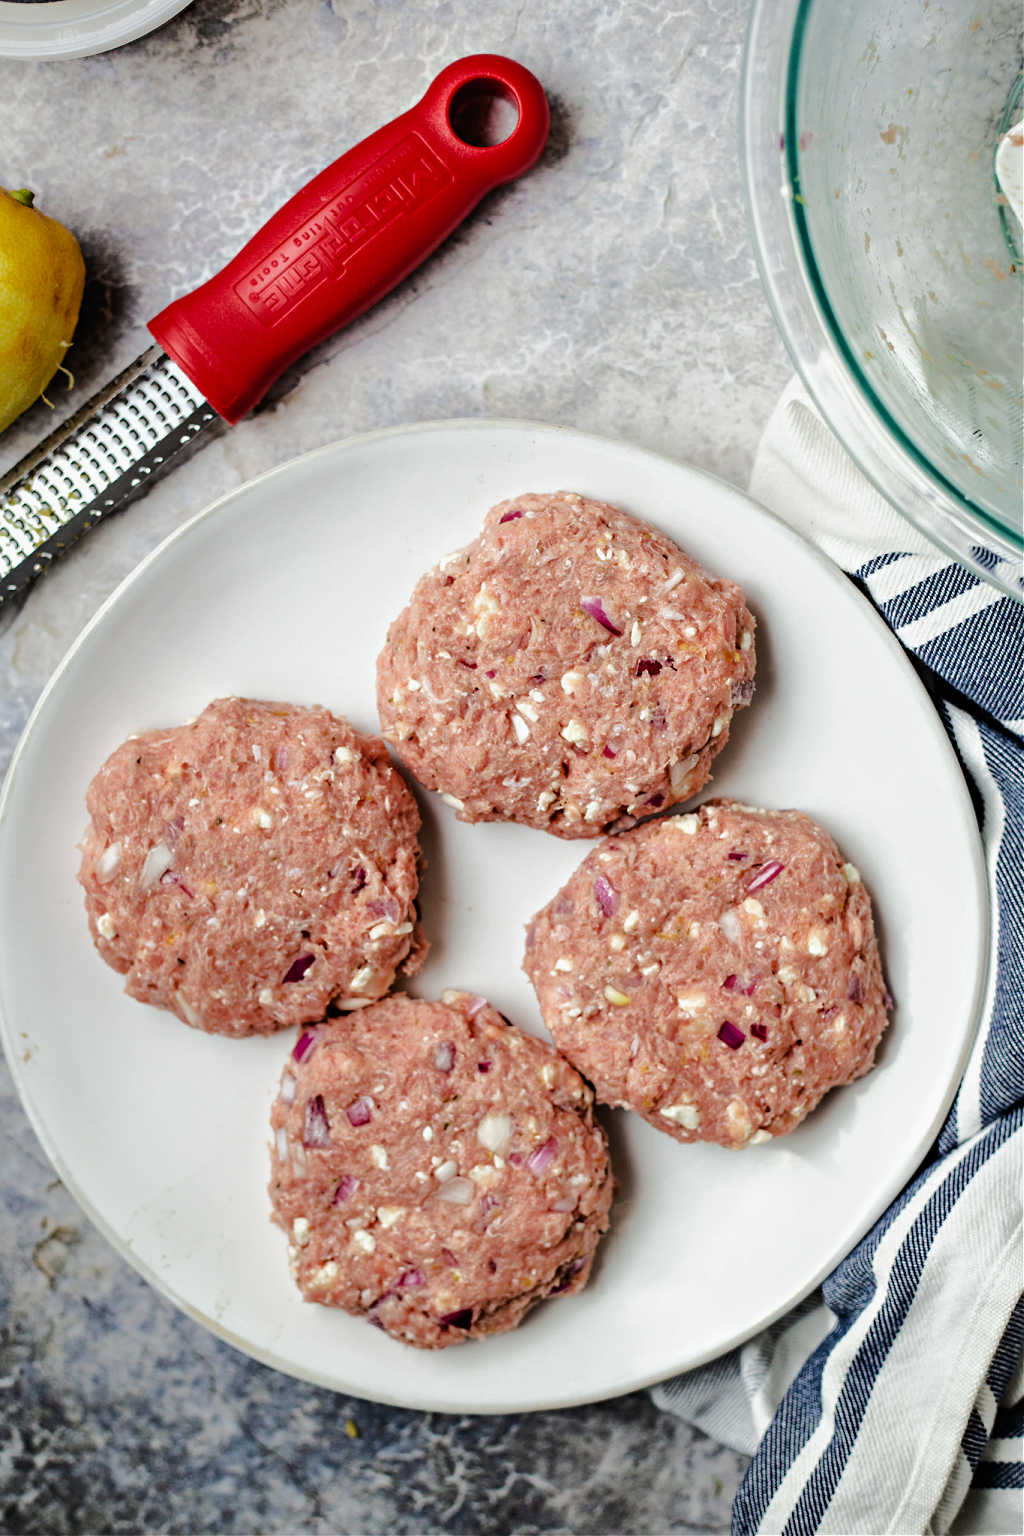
(449, 1257)
(303, 1045)
(604, 894)
(649, 665)
(279, 759)
(412, 1278)
(374, 1320)
(444, 1055)
(359, 1112)
(738, 853)
(316, 1132)
(171, 877)
(730, 982)
(108, 861)
(655, 801)
(175, 827)
(509, 517)
(733, 984)
(594, 607)
(515, 1159)
(483, 1066)
(157, 860)
(298, 968)
(456, 1191)
(853, 989)
(606, 751)
(567, 1276)
(731, 1036)
(543, 1156)
(492, 673)
(358, 879)
(659, 721)
(476, 1002)
(347, 1186)
(461, 1319)
(742, 693)
(765, 875)
(759, 1031)
(829, 1013)
(469, 665)
(890, 1001)
(383, 907)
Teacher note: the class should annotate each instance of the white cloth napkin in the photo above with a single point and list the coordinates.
(893, 1399)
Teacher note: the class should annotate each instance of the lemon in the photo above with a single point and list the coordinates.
(41, 279)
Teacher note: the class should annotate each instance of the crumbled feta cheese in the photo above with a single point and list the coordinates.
(617, 998)
(106, 926)
(852, 874)
(753, 908)
(262, 818)
(387, 1215)
(452, 800)
(634, 634)
(816, 942)
(760, 1137)
(571, 681)
(563, 963)
(545, 798)
(617, 942)
(300, 1231)
(686, 1115)
(521, 729)
(378, 1155)
(527, 710)
(265, 998)
(688, 823)
(446, 1170)
(361, 979)
(364, 1240)
(494, 1131)
(427, 1133)
(344, 755)
(575, 731)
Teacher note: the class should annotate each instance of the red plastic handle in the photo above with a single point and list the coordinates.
(350, 235)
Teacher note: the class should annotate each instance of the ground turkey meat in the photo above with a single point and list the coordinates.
(570, 669)
(437, 1171)
(716, 971)
(252, 867)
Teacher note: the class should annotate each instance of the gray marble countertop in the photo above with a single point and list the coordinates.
(613, 289)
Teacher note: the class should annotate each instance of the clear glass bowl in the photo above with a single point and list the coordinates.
(869, 131)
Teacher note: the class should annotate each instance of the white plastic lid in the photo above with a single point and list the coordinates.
(69, 29)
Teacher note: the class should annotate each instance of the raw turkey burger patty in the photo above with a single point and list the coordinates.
(570, 669)
(436, 1170)
(715, 971)
(252, 867)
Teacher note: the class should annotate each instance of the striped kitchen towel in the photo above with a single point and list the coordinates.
(892, 1400)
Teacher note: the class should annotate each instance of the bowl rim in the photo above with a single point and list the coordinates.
(799, 300)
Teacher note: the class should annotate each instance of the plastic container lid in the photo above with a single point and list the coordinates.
(70, 29)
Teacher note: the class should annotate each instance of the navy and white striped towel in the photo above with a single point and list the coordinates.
(892, 1400)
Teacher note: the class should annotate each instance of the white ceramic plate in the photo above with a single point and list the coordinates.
(284, 590)
(69, 29)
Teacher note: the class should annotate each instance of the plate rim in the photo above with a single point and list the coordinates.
(903, 1171)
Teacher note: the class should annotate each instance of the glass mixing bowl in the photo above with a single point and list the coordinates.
(889, 256)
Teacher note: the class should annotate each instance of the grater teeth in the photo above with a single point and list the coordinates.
(94, 464)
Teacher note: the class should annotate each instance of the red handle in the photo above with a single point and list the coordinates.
(350, 235)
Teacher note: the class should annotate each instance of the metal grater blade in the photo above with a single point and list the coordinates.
(95, 463)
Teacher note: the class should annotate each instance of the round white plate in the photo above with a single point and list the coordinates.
(70, 29)
(284, 590)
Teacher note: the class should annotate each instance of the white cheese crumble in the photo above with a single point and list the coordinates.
(427, 1133)
(494, 1132)
(262, 818)
(760, 1137)
(106, 926)
(575, 731)
(816, 942)
(615, 997)
(452, 800)
(344, 755)
(563, 963)
(527, 710)
(851, 874)
(361, 979)
(688, 824)
(521, 729)
(364, 1240)
(387, 1215)
(260, 918)
(300, 1231)
(617, 942)
(378, 1155)
(446, 1170)
(265, 998)
(686, 1115)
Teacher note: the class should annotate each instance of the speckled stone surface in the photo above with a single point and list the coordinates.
(613, 289)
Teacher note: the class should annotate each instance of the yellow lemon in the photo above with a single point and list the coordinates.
(41, 279)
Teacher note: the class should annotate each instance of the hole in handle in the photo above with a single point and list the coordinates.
(483, 113)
